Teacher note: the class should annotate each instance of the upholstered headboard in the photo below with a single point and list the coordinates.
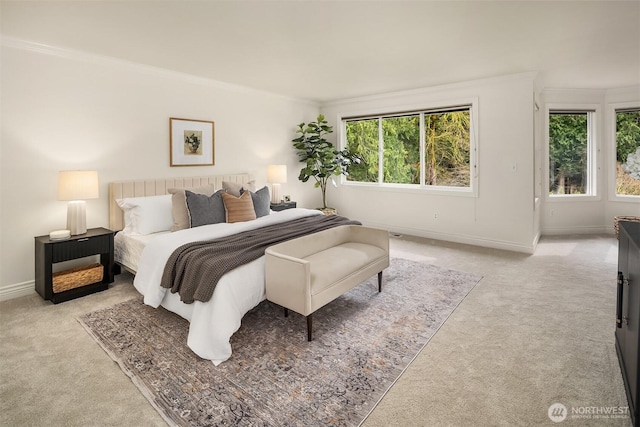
(157, 187)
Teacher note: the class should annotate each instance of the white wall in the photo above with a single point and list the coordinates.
(593, 215)
(64, 110)
(502, 215)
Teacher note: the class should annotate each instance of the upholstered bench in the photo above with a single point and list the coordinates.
(308, 272)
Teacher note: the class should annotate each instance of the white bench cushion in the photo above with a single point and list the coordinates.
(342, 260)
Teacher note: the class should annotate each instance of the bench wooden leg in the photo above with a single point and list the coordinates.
(380, 282)
(309, 324)
(286, 312)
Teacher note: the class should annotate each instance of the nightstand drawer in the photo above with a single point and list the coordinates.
(79, 248)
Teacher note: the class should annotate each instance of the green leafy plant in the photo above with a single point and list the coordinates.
(322, 160)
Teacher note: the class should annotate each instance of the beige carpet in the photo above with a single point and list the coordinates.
(537, 330)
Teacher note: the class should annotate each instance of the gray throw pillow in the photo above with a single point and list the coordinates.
(205, 209)
(179, 204)
(261, 201)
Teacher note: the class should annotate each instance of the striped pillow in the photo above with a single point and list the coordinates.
(239, 208)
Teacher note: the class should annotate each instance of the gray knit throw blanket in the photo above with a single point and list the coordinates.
(194, 269)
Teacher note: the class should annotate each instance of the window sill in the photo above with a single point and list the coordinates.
(625, 199)
(572, 198)
(412, 189)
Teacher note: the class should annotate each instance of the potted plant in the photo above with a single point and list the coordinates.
(322, 160)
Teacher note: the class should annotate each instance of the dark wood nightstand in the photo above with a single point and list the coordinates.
(282, 206)
(96, 241)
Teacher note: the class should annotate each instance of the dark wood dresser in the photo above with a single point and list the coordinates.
(628, 312)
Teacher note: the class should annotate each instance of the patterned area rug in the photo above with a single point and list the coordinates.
(362, 342)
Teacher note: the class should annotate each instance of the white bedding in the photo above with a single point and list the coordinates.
(211, 323)
(128, 248)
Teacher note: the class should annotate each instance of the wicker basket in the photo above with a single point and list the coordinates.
(76, 277)
(616, 227)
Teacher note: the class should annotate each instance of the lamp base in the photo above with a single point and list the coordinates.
(77, 217)
(275, 193)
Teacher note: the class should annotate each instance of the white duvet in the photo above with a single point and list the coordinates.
(211, 323)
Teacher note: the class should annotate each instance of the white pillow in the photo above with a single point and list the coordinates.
(146, 215)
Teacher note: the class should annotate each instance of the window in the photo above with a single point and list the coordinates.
(448, 148)
(571, 153)
(628, 152)
(362, 139)
(421, 149)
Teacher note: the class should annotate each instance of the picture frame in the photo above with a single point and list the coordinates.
(192, 142)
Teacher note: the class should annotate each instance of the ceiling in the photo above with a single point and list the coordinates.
(327, 50)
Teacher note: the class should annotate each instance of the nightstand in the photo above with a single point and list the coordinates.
(282, 206)
(96, 241)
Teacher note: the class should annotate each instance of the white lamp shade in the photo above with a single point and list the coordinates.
(277, 174)
(77, 185)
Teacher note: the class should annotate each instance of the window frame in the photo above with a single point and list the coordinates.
(593, 151)
(471, 191)
(613, 146)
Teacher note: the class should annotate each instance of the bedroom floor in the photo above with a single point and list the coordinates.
(537, 330)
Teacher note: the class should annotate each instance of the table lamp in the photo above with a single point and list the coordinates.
(276, 175)
(76, 187)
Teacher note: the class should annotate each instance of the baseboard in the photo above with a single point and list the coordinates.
(17, 290)
(28, 288)
(563, 231)
(536, 240)
(466, 240)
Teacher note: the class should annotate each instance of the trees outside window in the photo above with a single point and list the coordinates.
(570, 148)
(448, 149)
(401, 140)
(425, 149)
(628, 152)
(363, 140)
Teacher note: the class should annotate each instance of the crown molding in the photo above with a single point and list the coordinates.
(109, 61)
(529, 76)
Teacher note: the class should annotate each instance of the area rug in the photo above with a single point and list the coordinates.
(363, 341)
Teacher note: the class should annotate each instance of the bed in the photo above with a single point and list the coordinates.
(145, 240)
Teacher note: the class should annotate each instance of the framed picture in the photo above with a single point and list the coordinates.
(192, 142)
